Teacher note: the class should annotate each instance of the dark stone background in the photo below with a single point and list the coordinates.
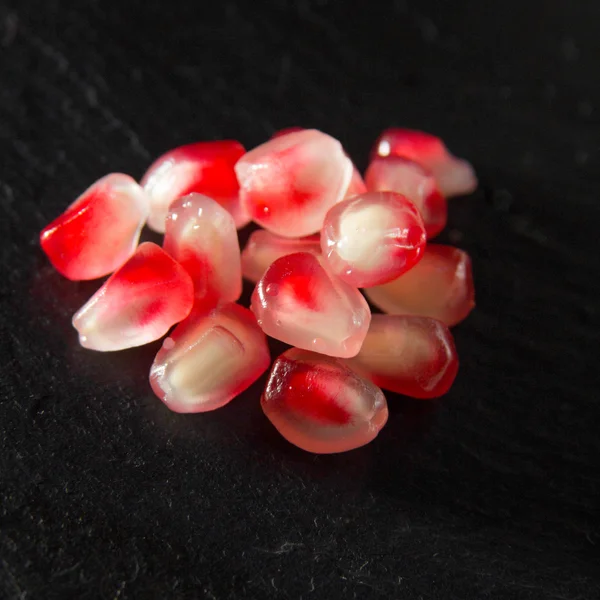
(491, 493)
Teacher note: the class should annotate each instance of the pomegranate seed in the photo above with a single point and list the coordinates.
(201, 236)
(264, 247)
(99, 231)
(414, 356)
(138, 304)
(357, 185)
(406, 177)
(373, 238)
(290, 182)
(440, 286)
(205, 168)
(455, 176)
(209, 359)
(286, 130)
(320, 405)
(298, 302)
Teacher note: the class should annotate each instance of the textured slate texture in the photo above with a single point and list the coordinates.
(491, 493)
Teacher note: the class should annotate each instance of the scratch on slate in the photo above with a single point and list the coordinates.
(13, 580)
(283, 549)
(9, 196)
(67, 570)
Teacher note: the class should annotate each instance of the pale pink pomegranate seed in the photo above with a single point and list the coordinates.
(201, 236)
(205, 168)
(406, 177)
(320, 405)
(288, 184)
(414, 356)
(99, 231)
(373, 238)
(440, 286)
(298, 302)
(263, 248)
(137, 304)
(455, 176)
(209, 359)
(357, 185)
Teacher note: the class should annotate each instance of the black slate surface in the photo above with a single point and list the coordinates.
(491, 493)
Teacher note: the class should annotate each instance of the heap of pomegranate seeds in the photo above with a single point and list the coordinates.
(326, 233)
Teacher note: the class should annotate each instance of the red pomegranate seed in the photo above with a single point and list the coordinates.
(99, 231)
(205, 168)
(414, 356)
(209, 359)
(287, 130)
(440, 286)
(406, 177)
(264, 248)
(455, 176)
(320, 405)
(201, 236)
(138, 304)
(298, 302)
(290, 182)
(373, 238)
